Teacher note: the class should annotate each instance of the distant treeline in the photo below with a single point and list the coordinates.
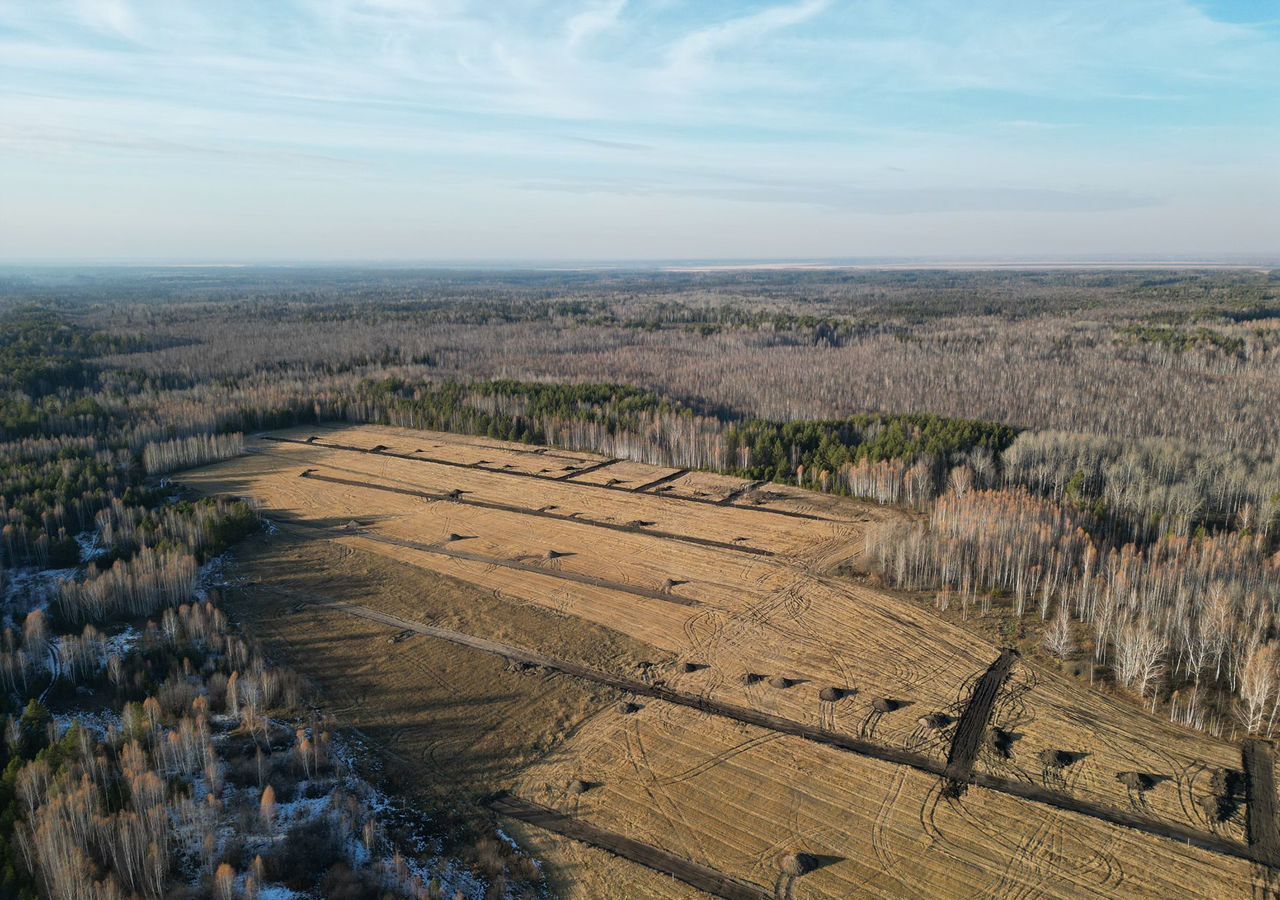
(1137, 490)
(1047, 423)
(533, 412)
(99, 421)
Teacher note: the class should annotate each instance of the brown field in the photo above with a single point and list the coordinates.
(588, 570)
(625, 473)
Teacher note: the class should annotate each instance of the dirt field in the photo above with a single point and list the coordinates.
(715, 588)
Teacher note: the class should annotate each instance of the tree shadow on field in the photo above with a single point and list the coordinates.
(822, 860)
(450, 723)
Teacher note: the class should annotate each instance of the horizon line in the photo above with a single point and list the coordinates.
(1240, 261)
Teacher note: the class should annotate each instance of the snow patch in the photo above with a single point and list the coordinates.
(212, 575)
(122, 644)
(91, 547)
(29, 588)
(96, 722)
(277, 892)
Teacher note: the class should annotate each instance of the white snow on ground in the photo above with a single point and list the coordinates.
(452, 878)
(97, 722)
(27, 587)
(119, 644)
(30, 588)
(213, 574)
(304, 810)
(122, 643)
(90, 545)
(345, 750)
(277, 892)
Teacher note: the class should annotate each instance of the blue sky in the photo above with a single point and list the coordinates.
(638, 129)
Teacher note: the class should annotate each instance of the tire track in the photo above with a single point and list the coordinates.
(836, 740)
(670, 810)
(972, 729)
(717, 758)
(530, 568)
(879, 845)
(476, 467)
(695, 874)
(461, 499)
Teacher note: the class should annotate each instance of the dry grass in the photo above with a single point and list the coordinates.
(454, 723)
(629, 475)
(738, 798)
(726, 795)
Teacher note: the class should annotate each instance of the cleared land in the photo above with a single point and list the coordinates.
(717, 590)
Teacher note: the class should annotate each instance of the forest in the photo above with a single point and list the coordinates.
(150, 749)
(1089, 458)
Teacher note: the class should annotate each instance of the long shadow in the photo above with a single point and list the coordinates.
(704, 878)
(331, 445)
(897, 756)
(459, 496)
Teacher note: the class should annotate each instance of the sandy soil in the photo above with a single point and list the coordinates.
(724, 794)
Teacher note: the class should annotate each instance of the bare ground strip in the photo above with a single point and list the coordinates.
(586, 470)
(532, 569)
(695, 874)
(977, 715)
(454, 464)
(1021, 789)
(463, 500)
(739, 492)
(659, 482)
(1260, 792)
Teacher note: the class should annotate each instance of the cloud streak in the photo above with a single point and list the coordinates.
(594, 20)
(1089, 110)
(690, 56)
(872, 200)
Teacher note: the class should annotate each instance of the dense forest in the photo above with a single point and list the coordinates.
(1089, 454)
(150, 749)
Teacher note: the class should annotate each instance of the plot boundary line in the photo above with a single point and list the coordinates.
(704, 878)
(659, 482)
(967, 740)
(542, 514)
(675, 498)
(589, 580)
(1023, 790)
(586, 470)
(1258, 758)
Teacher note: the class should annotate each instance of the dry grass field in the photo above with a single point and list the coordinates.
(721, 592)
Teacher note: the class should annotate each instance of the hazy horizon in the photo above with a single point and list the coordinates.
(1244, 261)
(352, 132)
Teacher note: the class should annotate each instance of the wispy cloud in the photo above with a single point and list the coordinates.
(881, 107)
(690, 56)
(111, 17)
(629, 146)
(584, 25)
(870, 199)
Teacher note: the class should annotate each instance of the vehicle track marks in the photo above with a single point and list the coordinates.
(549, 571)
(972, 729)
(1258, 757)
(893, 755)
(476, 467)
(464, 500)
(695, 874)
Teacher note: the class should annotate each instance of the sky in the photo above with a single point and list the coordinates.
(448, 130)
